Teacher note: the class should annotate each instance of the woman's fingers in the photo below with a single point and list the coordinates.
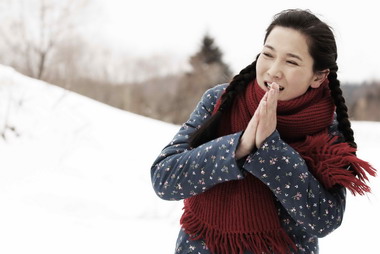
(263, 109)
(261, 125)
(267, 115)
(263, 104)
(273, 97)
(247, 141)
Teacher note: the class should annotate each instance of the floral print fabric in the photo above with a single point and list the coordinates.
(306, 210)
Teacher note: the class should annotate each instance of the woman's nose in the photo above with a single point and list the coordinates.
(275, 71)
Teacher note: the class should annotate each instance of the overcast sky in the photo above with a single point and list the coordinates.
(176, 27)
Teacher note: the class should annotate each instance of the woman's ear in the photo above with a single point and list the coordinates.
(319, 77)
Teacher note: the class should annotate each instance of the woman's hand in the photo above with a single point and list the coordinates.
(267, 115)
(262, 124)
(247, 140)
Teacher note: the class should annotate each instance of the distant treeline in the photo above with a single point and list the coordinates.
(363, 100)
(172, 98)
(44, 41)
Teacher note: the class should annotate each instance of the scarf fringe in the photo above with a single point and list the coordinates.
(336, 163)
(218, 242)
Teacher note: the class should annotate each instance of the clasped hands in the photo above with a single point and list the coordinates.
(262, 124)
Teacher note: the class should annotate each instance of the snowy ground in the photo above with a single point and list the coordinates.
(77, 179)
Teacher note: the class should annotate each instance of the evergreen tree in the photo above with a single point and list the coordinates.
(209, 54)
(208, 70)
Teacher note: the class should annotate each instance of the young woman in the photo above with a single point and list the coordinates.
(264, 162)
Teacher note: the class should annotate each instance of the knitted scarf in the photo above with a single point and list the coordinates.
(240, 215)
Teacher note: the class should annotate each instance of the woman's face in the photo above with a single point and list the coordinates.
(285, 59)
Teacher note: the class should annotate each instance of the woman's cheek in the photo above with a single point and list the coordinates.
(260, 68)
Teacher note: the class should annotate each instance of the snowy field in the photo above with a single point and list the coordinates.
(75, 178)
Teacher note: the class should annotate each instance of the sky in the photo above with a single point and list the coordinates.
(76, 178)
(172, 27)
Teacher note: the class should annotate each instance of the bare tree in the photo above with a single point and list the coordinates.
(32, 29)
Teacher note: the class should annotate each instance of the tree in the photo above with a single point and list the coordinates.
(208, 55)
(208, 70)
(366, 107)
(31, 30)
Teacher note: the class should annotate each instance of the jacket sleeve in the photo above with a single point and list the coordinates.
(180, 172)
(284, 171)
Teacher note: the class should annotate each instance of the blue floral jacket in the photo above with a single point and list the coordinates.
(307, 211)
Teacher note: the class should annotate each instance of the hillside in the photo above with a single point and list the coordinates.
(75, 178)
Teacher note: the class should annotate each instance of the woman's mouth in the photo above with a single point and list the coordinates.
(269, 85)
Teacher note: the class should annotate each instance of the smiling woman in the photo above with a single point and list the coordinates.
(264, 162)
(286, 60)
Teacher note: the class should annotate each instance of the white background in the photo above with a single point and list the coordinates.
(147, 27)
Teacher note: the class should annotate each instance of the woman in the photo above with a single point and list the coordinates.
(263, 162)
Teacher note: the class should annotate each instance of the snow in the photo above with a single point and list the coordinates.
(77, 178)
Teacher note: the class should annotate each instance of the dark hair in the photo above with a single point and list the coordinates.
(322, 48)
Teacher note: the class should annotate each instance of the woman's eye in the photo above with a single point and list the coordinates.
(267, 54)
(291, 62)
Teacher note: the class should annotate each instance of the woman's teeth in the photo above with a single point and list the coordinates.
(269, 86)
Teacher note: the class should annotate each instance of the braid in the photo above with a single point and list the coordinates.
(344, 124)
(238, 84)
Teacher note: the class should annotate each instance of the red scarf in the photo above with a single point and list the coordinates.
(241, 215)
